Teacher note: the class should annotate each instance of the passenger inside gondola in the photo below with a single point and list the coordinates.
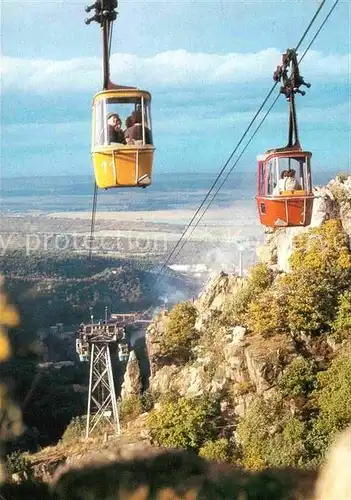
(115, 132)
(287, 182)
(134, 133)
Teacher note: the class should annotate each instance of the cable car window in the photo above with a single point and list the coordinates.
(148, 118)
(261, 178)
(270, 177)
(99, 126)
(301, 173)
(296, 164)
(291, 174)
(123, 121)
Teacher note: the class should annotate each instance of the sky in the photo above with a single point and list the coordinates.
(207, 64)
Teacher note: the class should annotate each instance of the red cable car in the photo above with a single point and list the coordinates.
(284, 185)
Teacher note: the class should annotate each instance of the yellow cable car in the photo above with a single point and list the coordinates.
(122, 149)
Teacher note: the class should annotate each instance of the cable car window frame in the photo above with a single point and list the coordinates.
(101, 109)
(269, 168)
(261, 178)
(98, 124)
(274, 166)
(148, 116)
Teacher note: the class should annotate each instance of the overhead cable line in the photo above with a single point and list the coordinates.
(93, 216)
(228, 174)
(241, 140)
(218, 177)
(319, 30)
(95, 192)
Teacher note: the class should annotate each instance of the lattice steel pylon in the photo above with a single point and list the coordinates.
(94, 342)
(102, 403)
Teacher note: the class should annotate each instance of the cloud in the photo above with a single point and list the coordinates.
(44, 135)
(170, 69)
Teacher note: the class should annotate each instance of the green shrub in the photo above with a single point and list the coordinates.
(299, 378)
(339, 192)
(324, 249)
(242, 388)
(343, 176)
(180, 335)
(260, 278)
(18, 463)
(75, 430)
(184, 422)
(305, 300)
(270, 436)
(236, 307)
(287, 446)
(130, 408)
(148, 400)
(311, 298)
(266, 314)
(333, 399)
(341, 326)
(219, 450)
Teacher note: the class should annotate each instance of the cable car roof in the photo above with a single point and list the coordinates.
(125, 92)
(283, 153)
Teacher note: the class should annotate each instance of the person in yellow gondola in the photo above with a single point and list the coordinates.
(134, 134)
(129, 122)
(287, 182)
(114, 130)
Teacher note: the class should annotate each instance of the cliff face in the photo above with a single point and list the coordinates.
(228, 360)
(331, 202)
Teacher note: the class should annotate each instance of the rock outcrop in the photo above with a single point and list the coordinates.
(228, 359)
(237, 361)
(132, 377)
(215, 295)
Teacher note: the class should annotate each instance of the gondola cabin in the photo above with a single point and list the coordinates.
(284, 188)
(122, 146)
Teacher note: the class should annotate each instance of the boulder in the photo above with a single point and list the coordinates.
(132, 378)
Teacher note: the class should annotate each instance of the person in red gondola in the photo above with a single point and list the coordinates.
(287, 182)
(115, 132)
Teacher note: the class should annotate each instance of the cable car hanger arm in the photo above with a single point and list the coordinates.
(105, 14)
(291, 86)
